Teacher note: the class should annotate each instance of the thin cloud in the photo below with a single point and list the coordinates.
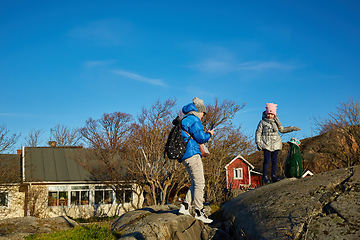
(213, 66)
(262, 66)
(91, 64)
(139, 78)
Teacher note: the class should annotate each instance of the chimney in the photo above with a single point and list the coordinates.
(19, 151)
(52, 143)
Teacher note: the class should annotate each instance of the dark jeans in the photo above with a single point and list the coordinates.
(273, 156)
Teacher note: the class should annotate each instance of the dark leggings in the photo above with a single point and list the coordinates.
(274, 158)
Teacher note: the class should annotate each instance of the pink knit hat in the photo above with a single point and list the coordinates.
(271, 108)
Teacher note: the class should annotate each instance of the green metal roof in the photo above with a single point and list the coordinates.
(55, 164)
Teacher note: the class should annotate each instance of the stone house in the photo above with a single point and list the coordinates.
(51, 183)
(240, 174)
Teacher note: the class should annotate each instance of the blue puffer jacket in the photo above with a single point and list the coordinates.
(191, 123)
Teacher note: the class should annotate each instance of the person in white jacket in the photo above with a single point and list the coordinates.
(268, 139)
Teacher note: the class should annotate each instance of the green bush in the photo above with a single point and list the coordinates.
(91, 231)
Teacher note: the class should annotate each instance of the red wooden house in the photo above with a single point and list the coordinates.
(240, 174)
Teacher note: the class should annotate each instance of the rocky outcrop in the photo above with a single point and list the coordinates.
(154, 222)
(18, 228)
(162, 222)
(323, 206)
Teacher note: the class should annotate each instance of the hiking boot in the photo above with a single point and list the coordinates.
(184, 209)
(200, 215)
(266, 180)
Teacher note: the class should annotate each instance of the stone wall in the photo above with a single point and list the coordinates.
(15, 202)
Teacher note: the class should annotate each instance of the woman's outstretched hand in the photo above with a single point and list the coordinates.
(296, 129)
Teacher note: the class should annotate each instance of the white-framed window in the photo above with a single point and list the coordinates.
(58, 196)
(4, 196)
(103, 195)
(238, 173)
(124, 195)
(80, 195)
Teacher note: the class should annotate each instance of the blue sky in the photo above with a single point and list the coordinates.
(62, 62)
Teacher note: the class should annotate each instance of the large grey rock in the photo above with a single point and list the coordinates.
(162, 222)
(19, 228)
(323, 206)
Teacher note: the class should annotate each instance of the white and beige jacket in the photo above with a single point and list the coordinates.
(267, 136)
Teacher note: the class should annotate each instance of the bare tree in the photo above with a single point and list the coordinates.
(347, 114)
(34, 138)
(147, 151)
(108, 139)
(341, 146)
(9, 168)
(109, 132)
(37, 199)
(65, 136)
(227, 142)
(6, 141)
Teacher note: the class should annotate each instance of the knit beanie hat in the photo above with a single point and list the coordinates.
(295, 141)
(199, 104)
(271, 108)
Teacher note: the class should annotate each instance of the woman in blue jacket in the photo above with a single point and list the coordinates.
(192, 128)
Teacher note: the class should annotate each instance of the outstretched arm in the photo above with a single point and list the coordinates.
(285, 129)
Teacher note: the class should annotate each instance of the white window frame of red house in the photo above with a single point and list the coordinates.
(240, 171)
